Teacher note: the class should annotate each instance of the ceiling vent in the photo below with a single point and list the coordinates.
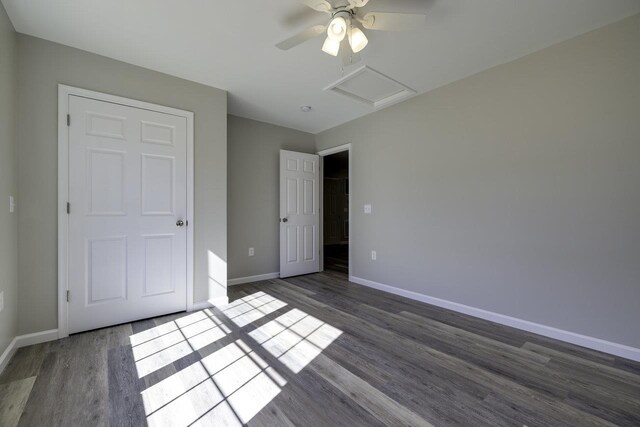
(371, 87)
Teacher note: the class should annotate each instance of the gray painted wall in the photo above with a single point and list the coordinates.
(253, 191)
(8, 183)
(42, 65)
(516, 190)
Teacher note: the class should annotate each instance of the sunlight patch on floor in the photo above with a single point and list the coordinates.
(162, 345)
(149, 334)
(232, 384)
(228, 387)
(251, 308)
(295, 338)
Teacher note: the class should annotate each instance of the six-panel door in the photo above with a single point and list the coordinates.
(299, 213)
(127, 190)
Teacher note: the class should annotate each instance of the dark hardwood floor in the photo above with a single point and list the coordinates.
(315, 351)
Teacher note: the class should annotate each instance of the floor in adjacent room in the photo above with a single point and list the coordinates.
(316, 350)
(336, 258)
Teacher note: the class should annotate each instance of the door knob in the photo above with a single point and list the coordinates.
(285, 219)
(179, 223)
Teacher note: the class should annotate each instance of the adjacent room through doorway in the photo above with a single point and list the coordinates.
(336, 212)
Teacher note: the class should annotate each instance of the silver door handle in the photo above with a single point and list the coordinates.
(179, 223)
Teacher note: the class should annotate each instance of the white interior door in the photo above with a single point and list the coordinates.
(299, 213)
(127, 253)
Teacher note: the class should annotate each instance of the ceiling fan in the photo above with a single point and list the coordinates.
(344, 34)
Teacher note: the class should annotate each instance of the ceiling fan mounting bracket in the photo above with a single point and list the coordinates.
(343, 12)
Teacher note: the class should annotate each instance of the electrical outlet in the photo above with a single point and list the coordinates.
(251, 252)
(367, 209)
(1, 300)
(374, 255)
(12, 204)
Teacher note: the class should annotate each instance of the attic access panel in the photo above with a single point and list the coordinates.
(371, 87)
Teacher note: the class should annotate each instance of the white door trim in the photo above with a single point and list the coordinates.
(322, 154)
(63, 189)
(334, 150)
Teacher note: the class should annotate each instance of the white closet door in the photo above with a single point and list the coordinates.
(128, 205)
(299, 213)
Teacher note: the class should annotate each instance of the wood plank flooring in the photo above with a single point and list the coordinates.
(316, 350)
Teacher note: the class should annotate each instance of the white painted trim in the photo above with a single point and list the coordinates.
(322, 154)
(63, 189)
(598, 344)
(63, 218)
(24, 341)
(36, 338)
(249, 279)
(190, 207)
(7, 354)
(334, 150)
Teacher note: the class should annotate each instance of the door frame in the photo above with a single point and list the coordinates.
(64, 92)
(323, 154)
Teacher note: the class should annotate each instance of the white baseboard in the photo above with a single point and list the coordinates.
(249, 279)
(7, 354)
(36, 338)
(26, 340)
(615, 349)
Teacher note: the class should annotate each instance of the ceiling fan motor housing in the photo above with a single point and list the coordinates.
(338, 27)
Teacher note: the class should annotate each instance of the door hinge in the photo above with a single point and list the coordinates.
(68, 208)
(68, 296)
(68, 119)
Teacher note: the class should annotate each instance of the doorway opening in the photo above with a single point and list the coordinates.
(336, 210)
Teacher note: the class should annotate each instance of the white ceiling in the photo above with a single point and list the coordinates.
(230, 44)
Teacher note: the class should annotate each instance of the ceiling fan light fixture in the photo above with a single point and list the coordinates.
(357, 39)
(331, 46)
(337, 29)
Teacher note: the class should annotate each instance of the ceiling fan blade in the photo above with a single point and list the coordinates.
(302, 37)
(319, 5)
(358, 3)
(299, 16)
(387, 21)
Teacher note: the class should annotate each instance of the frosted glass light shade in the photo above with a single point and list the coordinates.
(331, 46)
(357, 39)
